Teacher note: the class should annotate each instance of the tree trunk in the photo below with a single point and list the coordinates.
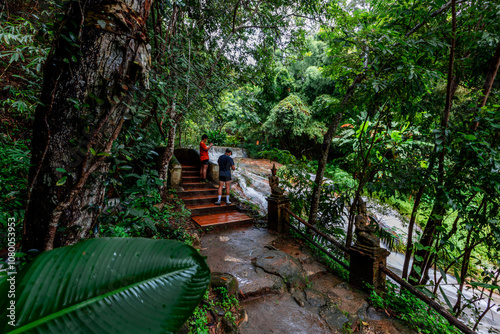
(325, 148)
(411, 225)
(100, 53)
(490, 77)
(467, 254)
(418, 276)
(350, 219)
(438, 209)
(488, 83)
(463, 273)
(167, 155)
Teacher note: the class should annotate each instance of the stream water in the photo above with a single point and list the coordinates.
(251, 183)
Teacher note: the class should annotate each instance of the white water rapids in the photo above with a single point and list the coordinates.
(251, 176)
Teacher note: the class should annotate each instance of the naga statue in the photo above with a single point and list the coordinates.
(365, 228)
(274, 182)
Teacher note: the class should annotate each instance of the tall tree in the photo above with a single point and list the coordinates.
(447, 173)
(206, 43)
(100, 54)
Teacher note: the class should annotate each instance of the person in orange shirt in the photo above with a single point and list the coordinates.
(204, 157)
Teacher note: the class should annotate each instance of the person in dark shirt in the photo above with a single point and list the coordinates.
(226, 164)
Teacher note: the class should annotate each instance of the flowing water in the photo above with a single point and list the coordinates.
(251, 178)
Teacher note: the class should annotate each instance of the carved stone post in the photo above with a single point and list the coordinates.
(366, 255)
(364, 267)
(277, 217)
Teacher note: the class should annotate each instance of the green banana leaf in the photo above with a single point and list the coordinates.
(108, 285)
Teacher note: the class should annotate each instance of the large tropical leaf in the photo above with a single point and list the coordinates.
(108, 285)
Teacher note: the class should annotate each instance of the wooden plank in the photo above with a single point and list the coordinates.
(190, 168)
(201, 197)
(200, 189)
(198, 185)
(221, 218)
(236, 222)
(201, 193)
(205, 206)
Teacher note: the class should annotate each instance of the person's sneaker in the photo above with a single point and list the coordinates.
(217, 203)
(228, 203)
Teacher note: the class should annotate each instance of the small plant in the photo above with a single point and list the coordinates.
(219, 297)
(346, 327)
(115, 231)
(230, 317)
(198, 322)
(227, 301)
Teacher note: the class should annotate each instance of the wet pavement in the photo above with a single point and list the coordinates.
(232, 251)
(284, 290)
(281, 314)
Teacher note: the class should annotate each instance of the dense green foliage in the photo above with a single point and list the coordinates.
(14, 164)
(419, 129)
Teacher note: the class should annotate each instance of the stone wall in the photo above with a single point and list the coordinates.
(174, 173)
(213, 172)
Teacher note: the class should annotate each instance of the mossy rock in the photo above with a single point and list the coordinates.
(225, 280)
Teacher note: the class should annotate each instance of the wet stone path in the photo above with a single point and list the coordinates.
(284, 290)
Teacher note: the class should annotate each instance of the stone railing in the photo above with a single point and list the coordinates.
(365, 259)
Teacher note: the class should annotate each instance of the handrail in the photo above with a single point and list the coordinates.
(327, 237)
(330, 255)
(436, 306)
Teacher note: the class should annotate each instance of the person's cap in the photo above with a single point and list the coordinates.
(228, 150)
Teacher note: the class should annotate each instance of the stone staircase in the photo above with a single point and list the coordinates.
(200, 199)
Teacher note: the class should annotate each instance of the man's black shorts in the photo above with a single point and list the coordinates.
(224, 178)
(204, 162)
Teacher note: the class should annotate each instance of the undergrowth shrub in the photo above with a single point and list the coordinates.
(139, 210)
(405, 306)
(14, 167)
(282, 156)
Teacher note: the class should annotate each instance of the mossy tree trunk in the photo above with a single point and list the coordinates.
(100, 53)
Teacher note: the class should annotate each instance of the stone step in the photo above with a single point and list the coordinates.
(220, 220)
(196, 185)
(197, 192)
(188, 173)
(209, 208)
(199, 200)
(190, 168)
(191, 178)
